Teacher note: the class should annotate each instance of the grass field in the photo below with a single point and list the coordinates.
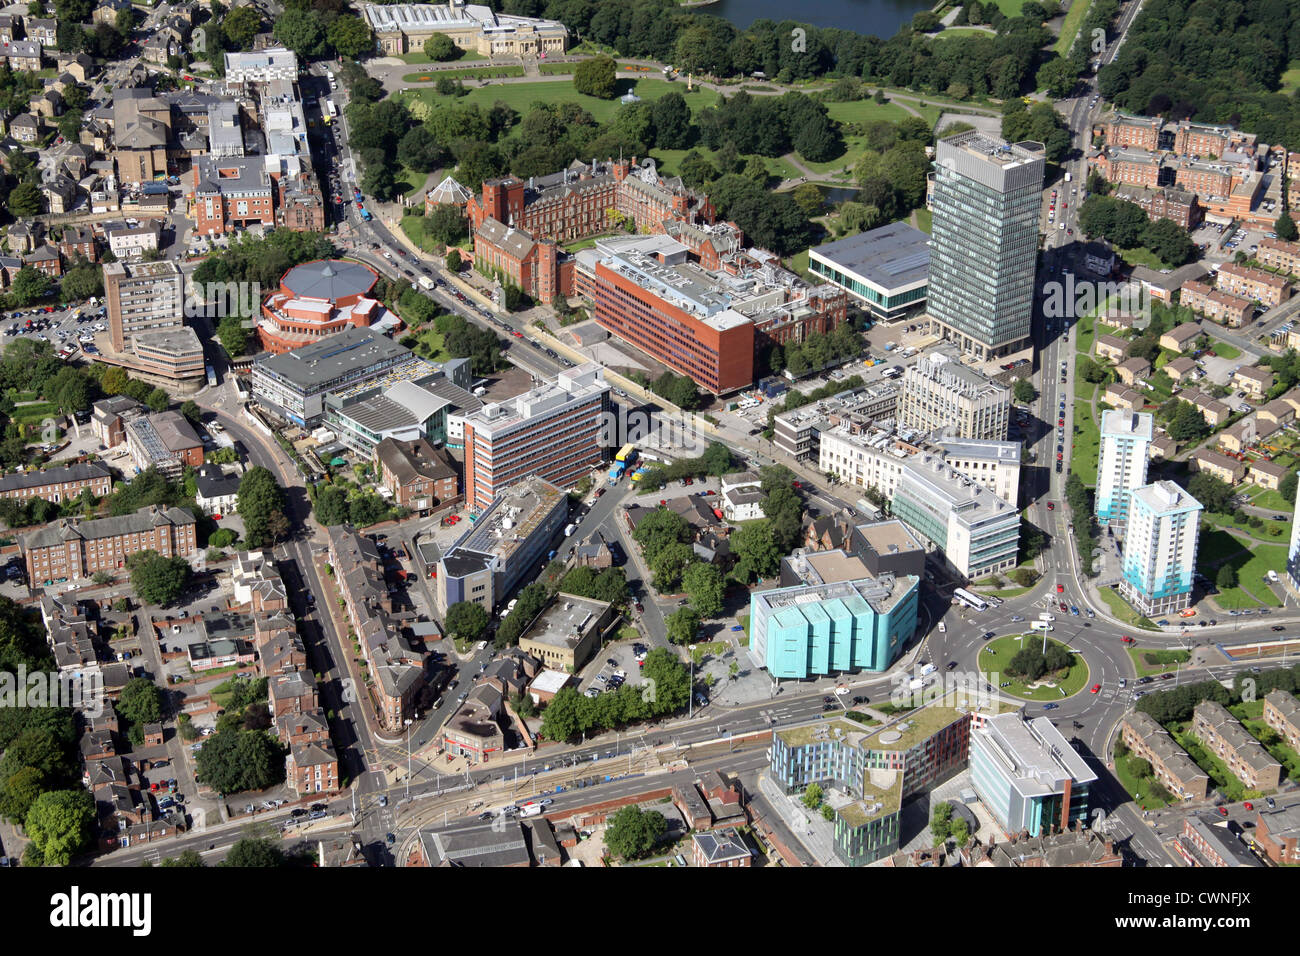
(994, 657)
(1148, 670)
(468, 73)
(1291, 78)
(1087, 444)
(420, 57)
(1070, 26)
(521, 96)
(428, 344)
(1123, 611)
(924, 220)
(34, 413)
(952, 32)
(1251, 562)
(1224, 350)
(1142, 257)
(1268, 498)
(1135, 787)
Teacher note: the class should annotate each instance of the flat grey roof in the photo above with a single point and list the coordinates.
(890, 257)
(334, 356)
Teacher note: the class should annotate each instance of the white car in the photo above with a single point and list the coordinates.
(943, 628)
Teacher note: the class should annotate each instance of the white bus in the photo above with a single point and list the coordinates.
(962, 596)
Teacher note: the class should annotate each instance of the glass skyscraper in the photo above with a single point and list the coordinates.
(984, 241)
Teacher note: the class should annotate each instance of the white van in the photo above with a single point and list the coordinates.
(927, 670)
(1046, 617)
(569, 529)
(1041, 626)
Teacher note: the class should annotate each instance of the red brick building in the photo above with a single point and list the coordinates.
(420, 477)
(317, 299)
(231, 191)
(70, 548)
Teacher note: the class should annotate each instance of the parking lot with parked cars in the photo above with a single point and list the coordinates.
(69, 328)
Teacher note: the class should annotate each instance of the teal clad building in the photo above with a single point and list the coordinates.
(825, 627)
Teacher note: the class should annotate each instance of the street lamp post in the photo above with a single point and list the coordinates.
(408, 723)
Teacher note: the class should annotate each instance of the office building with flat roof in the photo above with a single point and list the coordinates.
(142, 297)
(889, 547)
(940, 395)
(1160, 548)
(569, 632)
(1028, 776)
(424, 408)
(700, 322)
(555, 431)
(1125, 453)
(798, 433)
(886, 269)
(293, 385)
(984, 242)
(261, 66)
(873, 770)
(838, 618)
(174, 353)
(977, 532)
(504, 544)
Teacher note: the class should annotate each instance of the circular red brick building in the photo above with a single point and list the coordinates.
(317, 299)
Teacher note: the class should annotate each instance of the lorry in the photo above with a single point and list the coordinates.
(616, 473)
(426, 283)
(1067, 177)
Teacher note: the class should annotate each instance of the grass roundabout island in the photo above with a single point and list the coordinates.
(1052, 686)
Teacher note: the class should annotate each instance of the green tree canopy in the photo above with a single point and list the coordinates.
(633, 832)
(59, 824)
(596, 77)
(157, 579)
(466, 620)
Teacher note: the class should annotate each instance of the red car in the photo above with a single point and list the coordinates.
(1127, 640)
(1061, 605)
(1095, 688)
(1060, 589)
(1248, 805)
(1050, 506)
(1223, 811)
(518, 335)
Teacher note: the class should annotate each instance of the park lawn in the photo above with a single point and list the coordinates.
(1268, 498)
(1087, 444)
(996, 652)
(465, 73)
(550, 69)
(411, 181)
(1270, 529)
(1134, 787)
(1149, 670)
(428, 343)
(1252, 590)
(1122, 610)
(34, 413)
(798, 263)
(420, 57)
(1084, 391)
(1085, 329)
(1069, 26)
(1224, 350)
(948, 32)
(414, 227)
(521, 96)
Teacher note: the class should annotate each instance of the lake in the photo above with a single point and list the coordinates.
(879, 17)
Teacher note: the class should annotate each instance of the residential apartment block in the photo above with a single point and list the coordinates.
(1160, 548)
(940, 395)
(1244, 756)
(1255, 284)
(58, 484)
(1175, 770)
(71, 549)
(1207, 841)
(1280, 254)
(555, 431)
(1125, 440)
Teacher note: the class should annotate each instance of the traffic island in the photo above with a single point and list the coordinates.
(1049, 686)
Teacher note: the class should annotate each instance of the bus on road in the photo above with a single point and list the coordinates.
(626, 454)
(962, 596)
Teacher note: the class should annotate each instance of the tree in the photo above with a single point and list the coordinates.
(1188, 423)
(350, 36)
(187, 858)
(254, 852)
(596, 77)
(812, 796)
(156, 579)
(682, 625)
(1287, 488)
(441, 48)
(809, 198)
(29, 285)
(236, 760)
(447, 224)
(123, 23)
(1226, 578)
(755, 550)
(419, 150)
(69, 391)
(668, 564)
(158, 400)
(140, 702)
(302, 31)
(633, 832)
(659, 529)
(240, 26)
(453, 260)
(59, 824)
(1169, 241)
(704, 584)
(562, 718)
(1285, 228)
(259, 497)
(466, 620)
(671, 116)
(82, 280)
(233, 335)
(1023, 391)
(191, 412)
